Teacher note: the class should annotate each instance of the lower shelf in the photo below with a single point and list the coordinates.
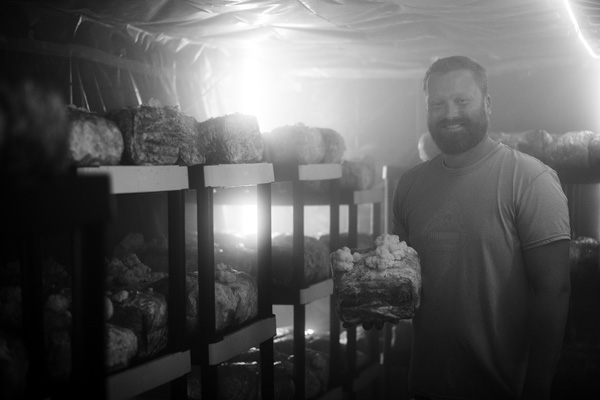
(140, 379)
(241, 340)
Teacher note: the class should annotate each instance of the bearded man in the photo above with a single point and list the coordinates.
(491, 227)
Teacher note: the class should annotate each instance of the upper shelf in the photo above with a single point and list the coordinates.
(160, 178)
(141, 179)
(306, 172)
(230, 175)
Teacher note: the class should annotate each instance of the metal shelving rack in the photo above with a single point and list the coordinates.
(341, 386)
(356, 380)
(213, 348)
(300, 295)
(82, 207)
(172, 366)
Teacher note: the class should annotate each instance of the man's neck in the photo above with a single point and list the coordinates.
(470, 156)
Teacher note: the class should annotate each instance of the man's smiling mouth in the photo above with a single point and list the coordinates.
(453, 127)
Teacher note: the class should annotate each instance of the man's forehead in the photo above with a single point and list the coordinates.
(456, 74)
(452, 81)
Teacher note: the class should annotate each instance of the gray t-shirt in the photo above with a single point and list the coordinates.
(469, 226)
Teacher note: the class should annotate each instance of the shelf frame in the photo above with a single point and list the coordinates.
(212, 348)
(81, 206)
(300, 295)
(172, 180)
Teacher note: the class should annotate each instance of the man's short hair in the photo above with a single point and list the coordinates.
(457, 63)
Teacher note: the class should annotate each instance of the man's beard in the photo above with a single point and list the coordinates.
(473, 132)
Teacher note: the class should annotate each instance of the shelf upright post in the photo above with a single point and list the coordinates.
(33, 306)
(335, 357)
(265, 306)
(89, 290)
(77, 304)
(351, 331)
(352, 225)
(298, 279)
(374, 341)
(92, 358)
(376, 220)
(206, 288)
(177, 284)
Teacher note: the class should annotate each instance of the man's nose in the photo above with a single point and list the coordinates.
(451, 110)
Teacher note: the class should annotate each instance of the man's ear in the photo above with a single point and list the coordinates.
(488, 105)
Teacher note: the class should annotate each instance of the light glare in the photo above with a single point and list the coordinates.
(251, 85)
(578, 30)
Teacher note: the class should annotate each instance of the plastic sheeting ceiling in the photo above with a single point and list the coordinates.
(324, 38)
(113, 53)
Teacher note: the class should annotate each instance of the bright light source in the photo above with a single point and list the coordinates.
(248, 220)
(261, 85)
(578, 30)
(240, 219)
(252, 83)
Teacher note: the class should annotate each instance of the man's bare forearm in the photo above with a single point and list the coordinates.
(548, 315)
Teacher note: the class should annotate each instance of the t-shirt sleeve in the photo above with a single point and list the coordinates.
(543, 214)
